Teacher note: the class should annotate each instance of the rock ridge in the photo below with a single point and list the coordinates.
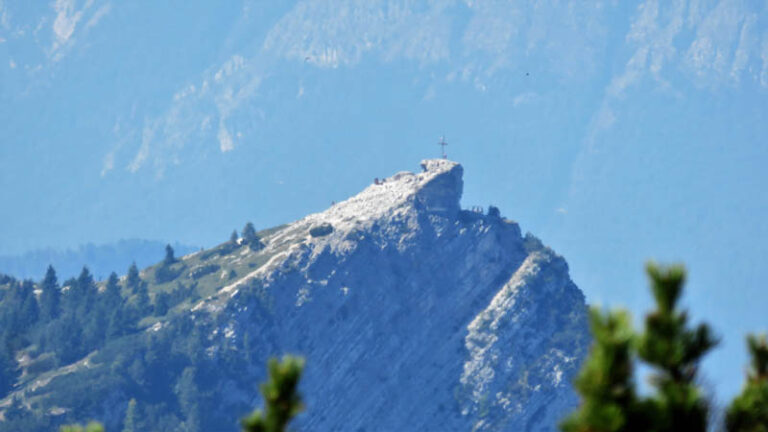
(415, 314)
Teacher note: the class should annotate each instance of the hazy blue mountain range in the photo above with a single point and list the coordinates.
(620, 131)
(413, 314)
(101, 259)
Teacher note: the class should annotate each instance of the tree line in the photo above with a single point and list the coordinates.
(610, 402)
(68, 320)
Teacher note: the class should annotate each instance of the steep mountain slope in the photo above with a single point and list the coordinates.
(413, 314)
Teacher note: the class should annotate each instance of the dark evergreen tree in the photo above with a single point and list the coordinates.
(281, 397)
(250, 237)
(133, 279)
(674, 351)
(169, 256)
(233, 237)
(140, 303)
(112, 297)
(668, 346)
(749, 411)
(30, 311)
(606, 379)
(50, 295)
(249, 233)
(83, 293)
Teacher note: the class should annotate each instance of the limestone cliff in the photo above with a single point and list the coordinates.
(414, 315)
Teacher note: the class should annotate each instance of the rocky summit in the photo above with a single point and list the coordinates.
(413, 314)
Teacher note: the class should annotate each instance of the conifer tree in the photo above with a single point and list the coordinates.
(250, 237)
(30, 310)
(674, 351)
(233, 237)
(667, 345)
(112, 297)
(133, 279)
(50, 295)
(169, 255)
(249, 233)
(84, 293)
(606, 378)
(137, 287)
(281, 397)
(749, 411)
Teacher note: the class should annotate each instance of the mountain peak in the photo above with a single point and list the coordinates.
(436, 190)
(412, 314)
(443, 185)
(447, 310)
(438, 165)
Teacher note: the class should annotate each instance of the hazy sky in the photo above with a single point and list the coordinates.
(615, 131)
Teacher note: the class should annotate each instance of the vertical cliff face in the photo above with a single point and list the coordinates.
(412, 313)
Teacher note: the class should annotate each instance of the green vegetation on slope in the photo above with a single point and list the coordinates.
(610, 402)
(87, 349)
(78, 348)
(282, 401)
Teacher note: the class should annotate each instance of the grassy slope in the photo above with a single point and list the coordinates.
(37, 381)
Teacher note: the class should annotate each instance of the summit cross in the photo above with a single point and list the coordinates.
(442, 144)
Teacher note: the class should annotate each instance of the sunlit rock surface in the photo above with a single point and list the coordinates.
(413, 315)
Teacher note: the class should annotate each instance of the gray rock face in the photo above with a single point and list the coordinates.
(443, 192)
(413, 315)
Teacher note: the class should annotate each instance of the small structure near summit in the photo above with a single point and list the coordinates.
(442, 144)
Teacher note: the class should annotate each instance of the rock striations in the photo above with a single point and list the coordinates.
(413, 314)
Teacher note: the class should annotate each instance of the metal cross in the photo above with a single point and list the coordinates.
(442, 144)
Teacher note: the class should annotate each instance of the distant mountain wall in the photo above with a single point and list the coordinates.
(101, 259)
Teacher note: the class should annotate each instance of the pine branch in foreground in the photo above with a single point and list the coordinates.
(281, 397)
(749, 411)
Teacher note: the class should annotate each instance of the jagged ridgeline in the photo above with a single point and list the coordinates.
(412, 314)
